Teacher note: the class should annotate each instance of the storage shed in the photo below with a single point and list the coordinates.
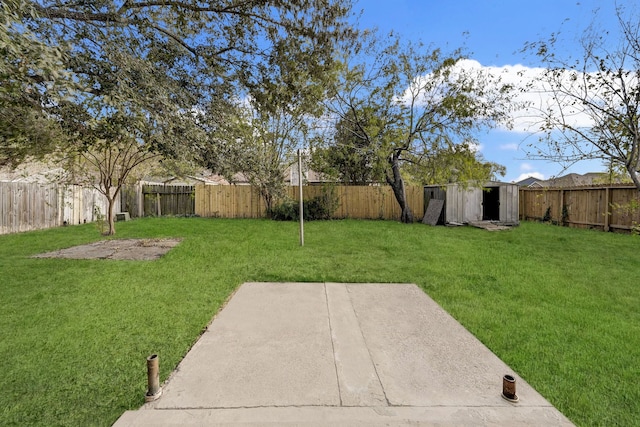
(495, 201)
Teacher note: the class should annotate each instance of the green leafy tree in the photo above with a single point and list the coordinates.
(350, 158)
(424, 101)
(594, 112)
(452, 163)
(30, 69)
(106, 163)
(259, 141)
(195, 48)
(268, 153)
(615, 174)
(157, 68)
(133, 107)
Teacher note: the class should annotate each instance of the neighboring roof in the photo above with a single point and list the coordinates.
(531, 181)
(236, 179)
(571, 180)
(33, 172)
(310, 176)
(575, 180)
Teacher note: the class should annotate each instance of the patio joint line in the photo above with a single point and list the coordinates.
(333, 347)
(375, 368)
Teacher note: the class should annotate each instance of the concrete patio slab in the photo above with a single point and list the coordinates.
(339, 354)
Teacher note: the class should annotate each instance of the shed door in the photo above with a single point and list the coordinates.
(491, 204)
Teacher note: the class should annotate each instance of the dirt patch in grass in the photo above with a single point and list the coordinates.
(125, 249)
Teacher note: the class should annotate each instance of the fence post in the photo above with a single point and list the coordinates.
(140, 199)
(607, 209)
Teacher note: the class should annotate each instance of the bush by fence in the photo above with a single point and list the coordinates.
(317, 208)
(608, 208)
(28, 206)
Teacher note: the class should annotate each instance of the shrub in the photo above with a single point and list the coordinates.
(317, 208)
(286, 211)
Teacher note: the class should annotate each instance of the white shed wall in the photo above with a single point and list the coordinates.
(465, 206)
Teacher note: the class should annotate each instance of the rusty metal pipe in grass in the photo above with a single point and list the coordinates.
(153, 378)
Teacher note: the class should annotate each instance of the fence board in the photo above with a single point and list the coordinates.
(362, 202)
(603, 207)
(29, 206)
(168, 200)
(158, 200)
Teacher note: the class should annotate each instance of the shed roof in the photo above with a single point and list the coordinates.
(471, 184)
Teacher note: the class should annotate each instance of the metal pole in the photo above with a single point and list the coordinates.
(301, 202)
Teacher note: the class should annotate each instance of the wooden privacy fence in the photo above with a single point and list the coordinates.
(158, 200)
(28, 206)
(608, 208)
(362, 202)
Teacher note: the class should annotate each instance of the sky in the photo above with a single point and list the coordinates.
(494, 33)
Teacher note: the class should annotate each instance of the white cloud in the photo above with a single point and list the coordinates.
(532, 93)
(522, 176)
(511, 147)
(518, 76)
(531, 89)
(526, 167)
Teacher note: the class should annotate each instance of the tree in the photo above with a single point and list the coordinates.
(107, 162)
(134, 109)
(424, 101)
(270, 151)
(200, 45)
(454, 163)
(163, 64)
(594, 111)
(350, 159)
(259, 142)
(29, 68)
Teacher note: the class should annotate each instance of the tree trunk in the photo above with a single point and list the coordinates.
(268, 201)
(111, 202)
(397, 184)
(634, 176)
(110, 216)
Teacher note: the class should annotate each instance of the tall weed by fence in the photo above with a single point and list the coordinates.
(29, 206)
(608, 208)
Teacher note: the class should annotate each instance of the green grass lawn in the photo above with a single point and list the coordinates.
(560, 306)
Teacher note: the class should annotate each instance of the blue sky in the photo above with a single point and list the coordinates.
(494, 32)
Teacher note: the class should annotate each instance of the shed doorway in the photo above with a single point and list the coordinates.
(491, 204)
